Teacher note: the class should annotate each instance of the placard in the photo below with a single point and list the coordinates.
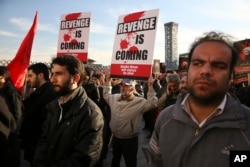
(74, 35)
(134, 45)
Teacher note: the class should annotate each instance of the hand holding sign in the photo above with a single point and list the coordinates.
(108, 78)
(150, 82)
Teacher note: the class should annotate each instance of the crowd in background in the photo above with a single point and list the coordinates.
(73, 116)
(28, 128)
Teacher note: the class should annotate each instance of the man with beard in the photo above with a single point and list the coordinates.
(206, 123)
(183, 83)
(72, 132)
(34, 113)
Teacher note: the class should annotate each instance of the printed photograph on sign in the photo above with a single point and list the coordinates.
(156, 66)
(183, 61)
(74, 35)
(242, 68)
(134, 45)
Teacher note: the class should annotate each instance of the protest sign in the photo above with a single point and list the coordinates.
(134, 45)
(242, 68)
(74, 35)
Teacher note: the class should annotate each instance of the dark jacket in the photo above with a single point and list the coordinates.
(34, 117)
(9, 145)
(115, 89)
(10, 114)
(92, 91)
(244, 95)
(76, 140)
(13, 101)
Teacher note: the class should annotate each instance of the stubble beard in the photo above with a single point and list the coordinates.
(206, 97)
(63, 89)
(34, 84)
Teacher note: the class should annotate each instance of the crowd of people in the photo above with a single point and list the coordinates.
(72, 117)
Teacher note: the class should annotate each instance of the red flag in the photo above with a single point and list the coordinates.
(18, 66)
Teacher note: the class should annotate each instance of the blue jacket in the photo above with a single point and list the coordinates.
(179, 142)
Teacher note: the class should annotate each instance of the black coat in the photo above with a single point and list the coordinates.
(10, 114)
(33, 118)
(92, 91)
(13, 100)
(76, 140)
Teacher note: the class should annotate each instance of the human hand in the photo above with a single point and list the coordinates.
(150, 82)
(108, 78)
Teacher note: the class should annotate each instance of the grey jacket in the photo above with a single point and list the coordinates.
(126, 115)
(179, 142)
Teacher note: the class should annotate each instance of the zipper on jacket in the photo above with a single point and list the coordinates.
(196, 133)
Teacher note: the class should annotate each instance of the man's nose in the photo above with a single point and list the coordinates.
(206, 69)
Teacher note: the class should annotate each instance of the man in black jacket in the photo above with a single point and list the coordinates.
(72, 132)
(34, 107)
(90, 87)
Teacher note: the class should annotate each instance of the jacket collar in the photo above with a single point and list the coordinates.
(232, 116)
(75, 101)
(42, 88)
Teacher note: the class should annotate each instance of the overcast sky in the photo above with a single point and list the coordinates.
(193, 17)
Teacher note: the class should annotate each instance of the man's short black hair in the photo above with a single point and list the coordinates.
(73, 65)
(39, 68)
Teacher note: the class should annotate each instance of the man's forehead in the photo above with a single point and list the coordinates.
(172, 83)
(216, 50)
(30, 71)
(57, 66)
(59, 69)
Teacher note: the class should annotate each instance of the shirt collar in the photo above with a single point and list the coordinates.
(218, 110)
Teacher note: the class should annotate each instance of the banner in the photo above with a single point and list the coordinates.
(134, 45)
(74, 35)
(183, 62)
(19, 65)
(242, 68)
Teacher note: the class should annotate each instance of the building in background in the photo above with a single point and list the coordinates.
(171, 45)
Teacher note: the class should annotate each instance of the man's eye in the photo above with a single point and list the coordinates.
(220, 66)
(196, 63)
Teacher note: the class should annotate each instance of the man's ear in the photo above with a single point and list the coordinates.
(40, 75)
(132, 89)
(76, 78)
